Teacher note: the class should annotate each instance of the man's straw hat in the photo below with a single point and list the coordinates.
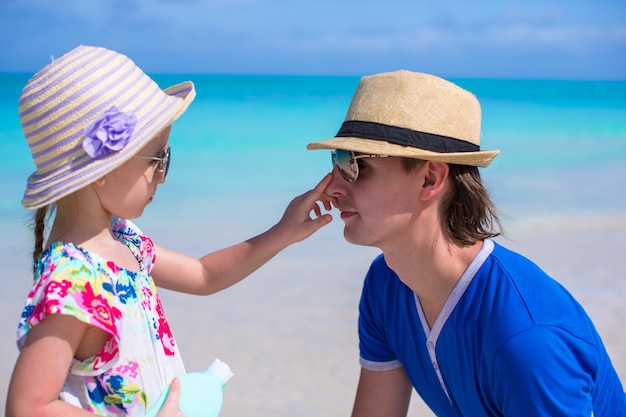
(412, 115)
(87, 113)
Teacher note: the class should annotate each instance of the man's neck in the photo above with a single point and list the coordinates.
(432, 271)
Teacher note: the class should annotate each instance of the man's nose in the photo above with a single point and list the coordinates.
(337, 186)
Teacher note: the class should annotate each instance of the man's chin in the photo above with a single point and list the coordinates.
(353, 239)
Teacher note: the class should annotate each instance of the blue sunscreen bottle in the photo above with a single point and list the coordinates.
(201, 393)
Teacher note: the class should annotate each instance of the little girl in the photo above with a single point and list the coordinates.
(93, 337)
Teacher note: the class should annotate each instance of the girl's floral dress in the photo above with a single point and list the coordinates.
(140, 357)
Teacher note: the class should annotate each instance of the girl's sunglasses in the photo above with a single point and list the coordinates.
(347, 164)
(164, 163)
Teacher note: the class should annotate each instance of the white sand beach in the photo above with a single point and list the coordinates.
(289, 331)
(294, 348)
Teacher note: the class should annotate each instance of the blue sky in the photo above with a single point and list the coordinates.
(560, 39)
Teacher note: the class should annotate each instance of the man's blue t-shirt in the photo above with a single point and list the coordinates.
(510, 341)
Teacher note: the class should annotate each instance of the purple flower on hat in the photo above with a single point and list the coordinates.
(109, 133)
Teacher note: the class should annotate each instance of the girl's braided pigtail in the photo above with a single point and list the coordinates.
(39, 228)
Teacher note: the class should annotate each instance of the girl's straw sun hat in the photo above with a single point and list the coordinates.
(414, 115)
(87, 113)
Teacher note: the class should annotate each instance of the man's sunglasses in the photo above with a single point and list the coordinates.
(347, 164)
(164, 163)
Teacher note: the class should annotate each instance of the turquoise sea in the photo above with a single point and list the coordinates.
(239, 156)
(247, 134)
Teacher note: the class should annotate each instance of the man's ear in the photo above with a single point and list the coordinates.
(435, 175)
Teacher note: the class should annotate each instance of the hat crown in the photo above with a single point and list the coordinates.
(73, 92)
(417, 101)
(412, 115)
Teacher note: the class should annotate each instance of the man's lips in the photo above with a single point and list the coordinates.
(347, 214)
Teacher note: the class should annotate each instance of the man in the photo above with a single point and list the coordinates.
(476, 329)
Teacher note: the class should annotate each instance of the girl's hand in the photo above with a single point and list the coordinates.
(170, 406)
(297, 223)
(225, 267)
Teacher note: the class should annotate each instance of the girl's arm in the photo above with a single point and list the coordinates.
(43, 363)
(41, 369)
(226, 267)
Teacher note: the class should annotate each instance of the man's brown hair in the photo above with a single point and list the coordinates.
(469, 215)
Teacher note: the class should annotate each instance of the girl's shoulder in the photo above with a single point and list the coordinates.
(65, 252)
(68, 259)
(125, 229)
(68, 256)
(140, 244)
